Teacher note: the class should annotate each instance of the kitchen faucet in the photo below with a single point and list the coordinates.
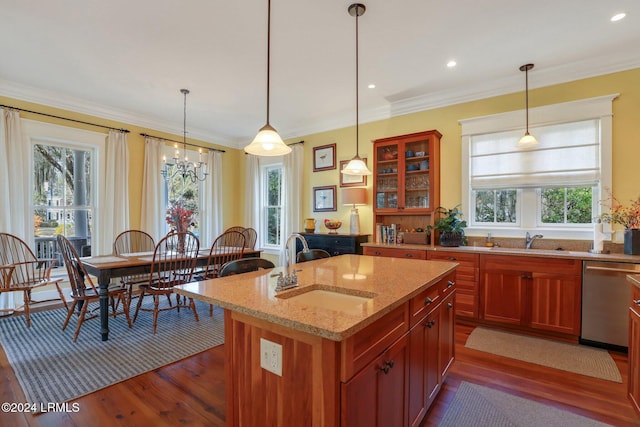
(528, 240)
(291, 279)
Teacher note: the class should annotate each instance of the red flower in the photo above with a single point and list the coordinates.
(179, 217)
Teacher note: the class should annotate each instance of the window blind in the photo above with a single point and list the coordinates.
(567, 154)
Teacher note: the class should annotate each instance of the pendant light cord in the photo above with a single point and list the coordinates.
(268, 55)
(184, 123)
(526, 95)
(357, 85)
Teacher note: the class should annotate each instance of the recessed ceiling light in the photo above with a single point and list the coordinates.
(371, 86)
(618, 16)
(451, 64)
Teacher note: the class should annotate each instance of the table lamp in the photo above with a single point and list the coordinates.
(354, 197)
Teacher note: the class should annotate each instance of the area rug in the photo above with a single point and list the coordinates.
(479, 406)
(50, 367)
(575, 358)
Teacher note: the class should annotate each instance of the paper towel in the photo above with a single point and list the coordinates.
(598, 237)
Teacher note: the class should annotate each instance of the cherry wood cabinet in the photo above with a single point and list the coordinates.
(467, 279)
(634, 348)
(535, 293)
(377, 395)
(398, 252)
(406, 186)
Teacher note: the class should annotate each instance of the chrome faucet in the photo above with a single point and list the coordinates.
(528, 240)
(291, 279)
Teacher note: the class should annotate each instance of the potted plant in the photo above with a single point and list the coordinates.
(450, 225)
(629, 218)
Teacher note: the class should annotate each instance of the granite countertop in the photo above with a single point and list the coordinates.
(499, 250)
(387, 282)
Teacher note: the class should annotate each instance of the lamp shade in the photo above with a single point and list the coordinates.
(267, 143)
(354, 196)
(527, 141)
(357, 167)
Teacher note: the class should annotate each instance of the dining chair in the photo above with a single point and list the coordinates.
(174, 259)
(245, 265)
(250, 237)
(130, 242)
(84, 291)
(235, 228)
(311, 255)
(28, 272)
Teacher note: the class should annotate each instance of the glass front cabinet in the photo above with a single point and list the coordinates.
(407, 178)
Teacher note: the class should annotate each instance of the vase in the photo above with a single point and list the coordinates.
(451, 238)
(632, 241)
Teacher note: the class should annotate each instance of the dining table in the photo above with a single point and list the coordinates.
(107, 267)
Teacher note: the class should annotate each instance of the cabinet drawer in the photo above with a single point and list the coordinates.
(532, 264)
(396, 252)
(359, 349)
(635, 296)
(468, 263)
(427, 300)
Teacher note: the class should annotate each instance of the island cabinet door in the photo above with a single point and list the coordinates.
(447, 344)
(377, 394)
(503, 296)
(634, 349)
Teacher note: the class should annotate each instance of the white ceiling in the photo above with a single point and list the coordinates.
(127, 60)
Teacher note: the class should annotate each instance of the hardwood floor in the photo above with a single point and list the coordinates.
(191, 392)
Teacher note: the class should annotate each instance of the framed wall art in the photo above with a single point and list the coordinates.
(324, 157)
(351, 180)
(324, 199)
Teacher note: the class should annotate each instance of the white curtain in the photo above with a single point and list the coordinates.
(14, 190)
(152, 217)
(114, 219)
(252, 194)
(292, 192)
(212, 220)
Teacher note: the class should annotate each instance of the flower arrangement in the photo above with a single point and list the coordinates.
(179, 217)
(627, 216)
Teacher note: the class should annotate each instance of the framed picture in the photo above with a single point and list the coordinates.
(351, 180)
(324, 199)
(324, 157)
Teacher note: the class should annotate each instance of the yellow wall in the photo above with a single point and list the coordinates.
(626, 149)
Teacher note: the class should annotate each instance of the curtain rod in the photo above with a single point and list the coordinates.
(64, 118)
(182, 142)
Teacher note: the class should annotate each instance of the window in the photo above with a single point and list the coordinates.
(554, 186)
(271, 206)
(181, 193)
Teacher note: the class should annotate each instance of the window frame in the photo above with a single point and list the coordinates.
(265, 166)
(591, 108)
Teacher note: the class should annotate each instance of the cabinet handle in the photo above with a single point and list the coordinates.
(430, 324)
(450, 283)
(376, 253)
(451, 258)
(636, 301)
(408, 255)
(449, 305)
(390, 363)
(387, 366)
(428, 301)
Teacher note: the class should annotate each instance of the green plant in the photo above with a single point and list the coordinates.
(450, 220)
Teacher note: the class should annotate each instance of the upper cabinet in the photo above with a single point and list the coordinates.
(407, 178)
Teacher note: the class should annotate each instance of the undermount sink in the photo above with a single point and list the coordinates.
(331, 298)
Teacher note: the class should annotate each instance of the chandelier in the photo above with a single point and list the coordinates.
(182, 166)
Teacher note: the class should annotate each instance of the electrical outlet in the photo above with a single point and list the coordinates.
(271, 356)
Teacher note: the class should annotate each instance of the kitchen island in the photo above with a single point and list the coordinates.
(362, 341)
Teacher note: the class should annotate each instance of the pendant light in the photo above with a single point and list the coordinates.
(356, 166)
(267, 142)
(528, 140)
(181, 166)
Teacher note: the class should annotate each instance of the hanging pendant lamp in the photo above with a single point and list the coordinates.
(267, 142)
(356, 165)
(528, 140)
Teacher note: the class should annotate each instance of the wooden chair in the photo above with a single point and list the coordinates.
(311, 255)
(245, 265)
(228, 246)
(129, 242)
(27, 271)
(235, 228)
(250, 238)
(83, 290)
(174, 259)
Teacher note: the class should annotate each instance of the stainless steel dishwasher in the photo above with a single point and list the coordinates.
(605, 303)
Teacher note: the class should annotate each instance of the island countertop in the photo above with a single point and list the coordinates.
(385, 282)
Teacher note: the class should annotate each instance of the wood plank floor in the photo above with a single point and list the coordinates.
(191, 392)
